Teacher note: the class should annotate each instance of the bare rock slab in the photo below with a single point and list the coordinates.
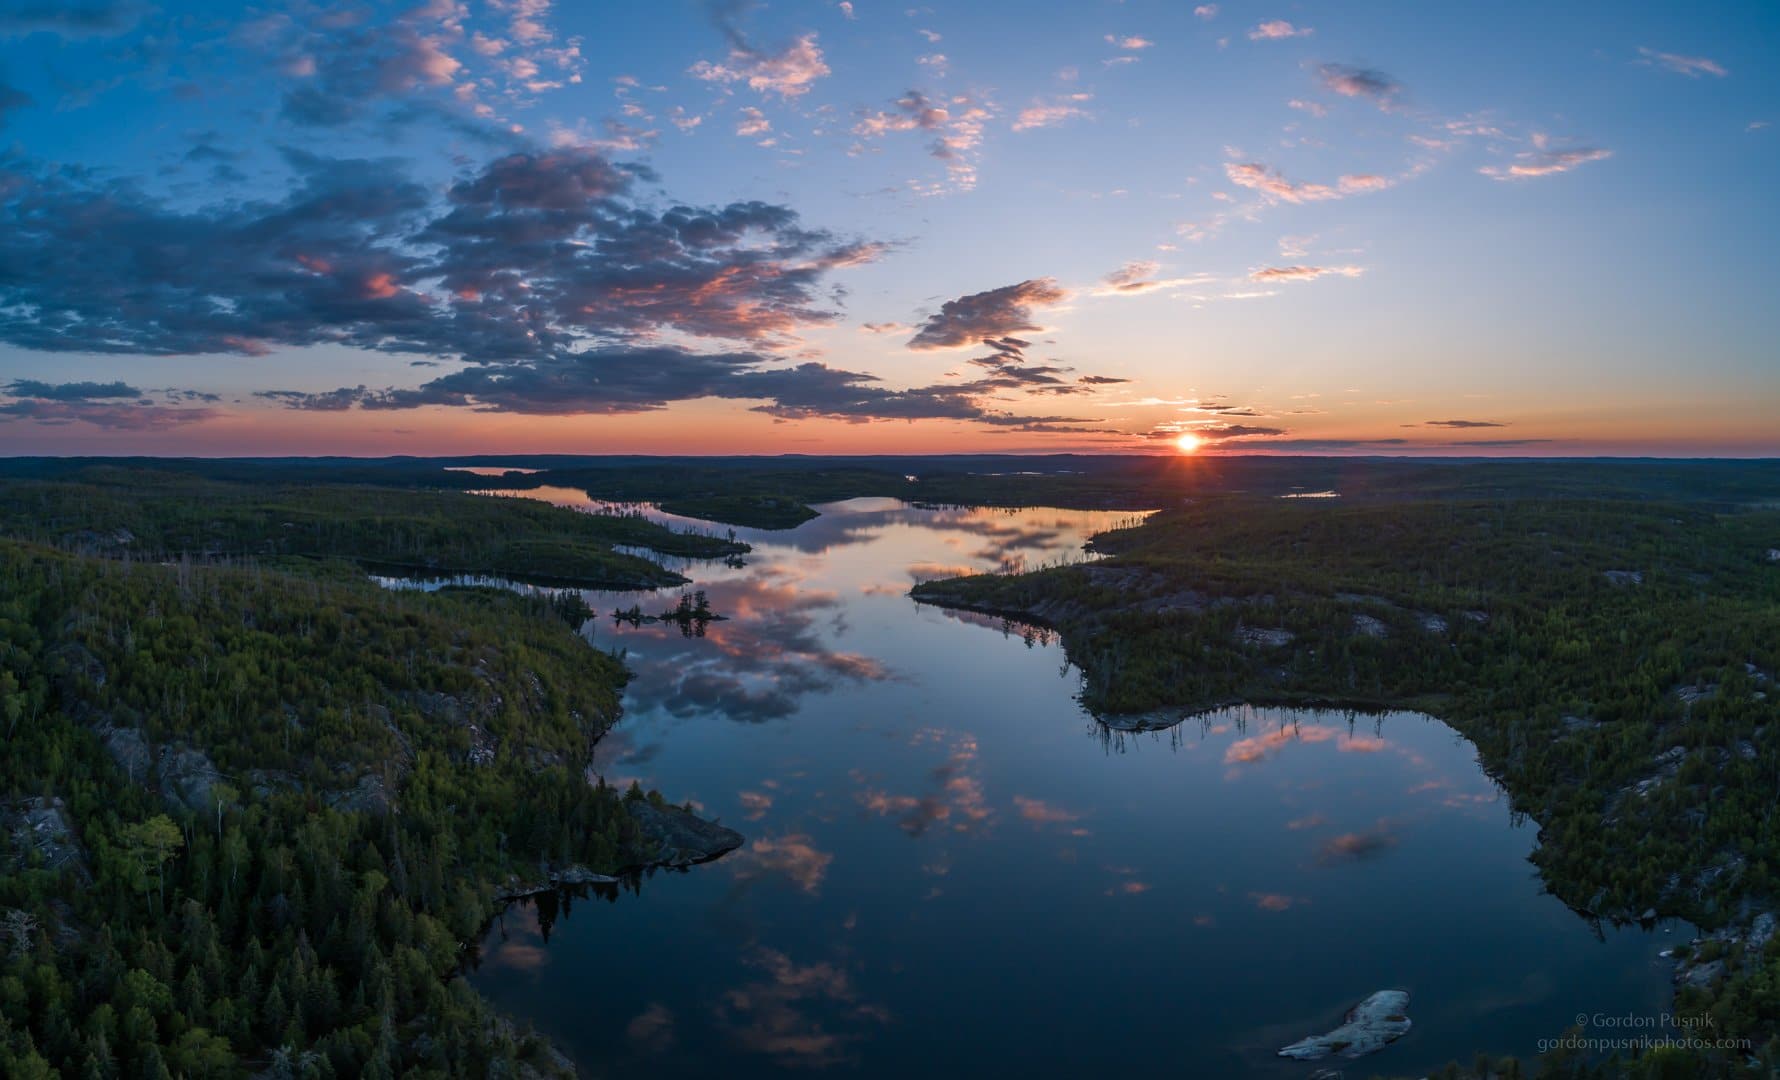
(679, 838)
(1369, 1027)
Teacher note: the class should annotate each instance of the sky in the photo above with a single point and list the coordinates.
(713, 226)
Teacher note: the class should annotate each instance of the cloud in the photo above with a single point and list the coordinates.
(753, 122)
(1545, 160)
(1303, 273)
(991, 314)
(956, 124)
(139, 416)
(1129, 44)
(1356, 82)
(914, 111)
(1356, 846)
(789, 72)
(1207, 12)
(11, 100)
(1463, 423)
(1258, 177)
(1039, 812)
(1278, 29)
(1137, 278)
(69, 18)
(632, 379)
(1041, 114)
(75, 391)
(1691, 66)
(532, 255)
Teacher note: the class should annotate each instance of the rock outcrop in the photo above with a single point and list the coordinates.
(1369, 1027)
(675, 837)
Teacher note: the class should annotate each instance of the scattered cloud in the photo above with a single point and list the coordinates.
(1277, 30)
(914, 111)
(11, 100)
(752, 122)
(1691, 66)
(1356, 846)
(789, 71)
(1357, 82)
(69, 18)
(1137, 278)
(1052, 112)
(74, 391)
(1463, 423)
(1129, 44)
(1545, 160)
(1303, 273)
(1206, 12)
(1258, 177)
(995, 313)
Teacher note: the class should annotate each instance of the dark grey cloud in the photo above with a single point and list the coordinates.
(1236, 431)
(1462, 423)
(534, 254)
(12, 99)
(115, 405)
(996, 313)
(1358, 82)
(141, 416)
(640, 378)
(68, 18)
(74, 391)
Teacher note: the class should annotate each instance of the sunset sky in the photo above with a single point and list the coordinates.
(683, 227)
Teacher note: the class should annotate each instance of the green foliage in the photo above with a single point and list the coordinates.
(283, 920)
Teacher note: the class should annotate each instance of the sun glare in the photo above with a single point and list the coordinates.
(1186, 442)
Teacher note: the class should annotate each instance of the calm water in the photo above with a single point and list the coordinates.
(952, 867)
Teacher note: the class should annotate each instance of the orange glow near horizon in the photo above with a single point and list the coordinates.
(1187, 442)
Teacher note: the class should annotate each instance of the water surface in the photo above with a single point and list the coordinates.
(952, 867)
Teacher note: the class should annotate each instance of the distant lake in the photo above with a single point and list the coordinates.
(951, 867)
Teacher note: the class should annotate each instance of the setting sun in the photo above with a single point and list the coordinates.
(1186, 442)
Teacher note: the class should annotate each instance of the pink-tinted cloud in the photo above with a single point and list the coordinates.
(1357, 82)
(1278, 30)
(1258, 177)
(1545, 160)
(789, 72)
(1039, 812)
(1049, 113)
(1303, 273)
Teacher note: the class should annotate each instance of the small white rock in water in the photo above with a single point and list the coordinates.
(1369, 1027)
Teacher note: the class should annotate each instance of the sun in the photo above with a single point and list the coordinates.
(1187, 442)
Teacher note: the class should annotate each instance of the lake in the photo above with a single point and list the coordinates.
(952, 867)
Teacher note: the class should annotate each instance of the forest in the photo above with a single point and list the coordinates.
(254, 810)
(1614, 661)
(159, 515)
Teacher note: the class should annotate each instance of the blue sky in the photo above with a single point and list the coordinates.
(724, 227)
